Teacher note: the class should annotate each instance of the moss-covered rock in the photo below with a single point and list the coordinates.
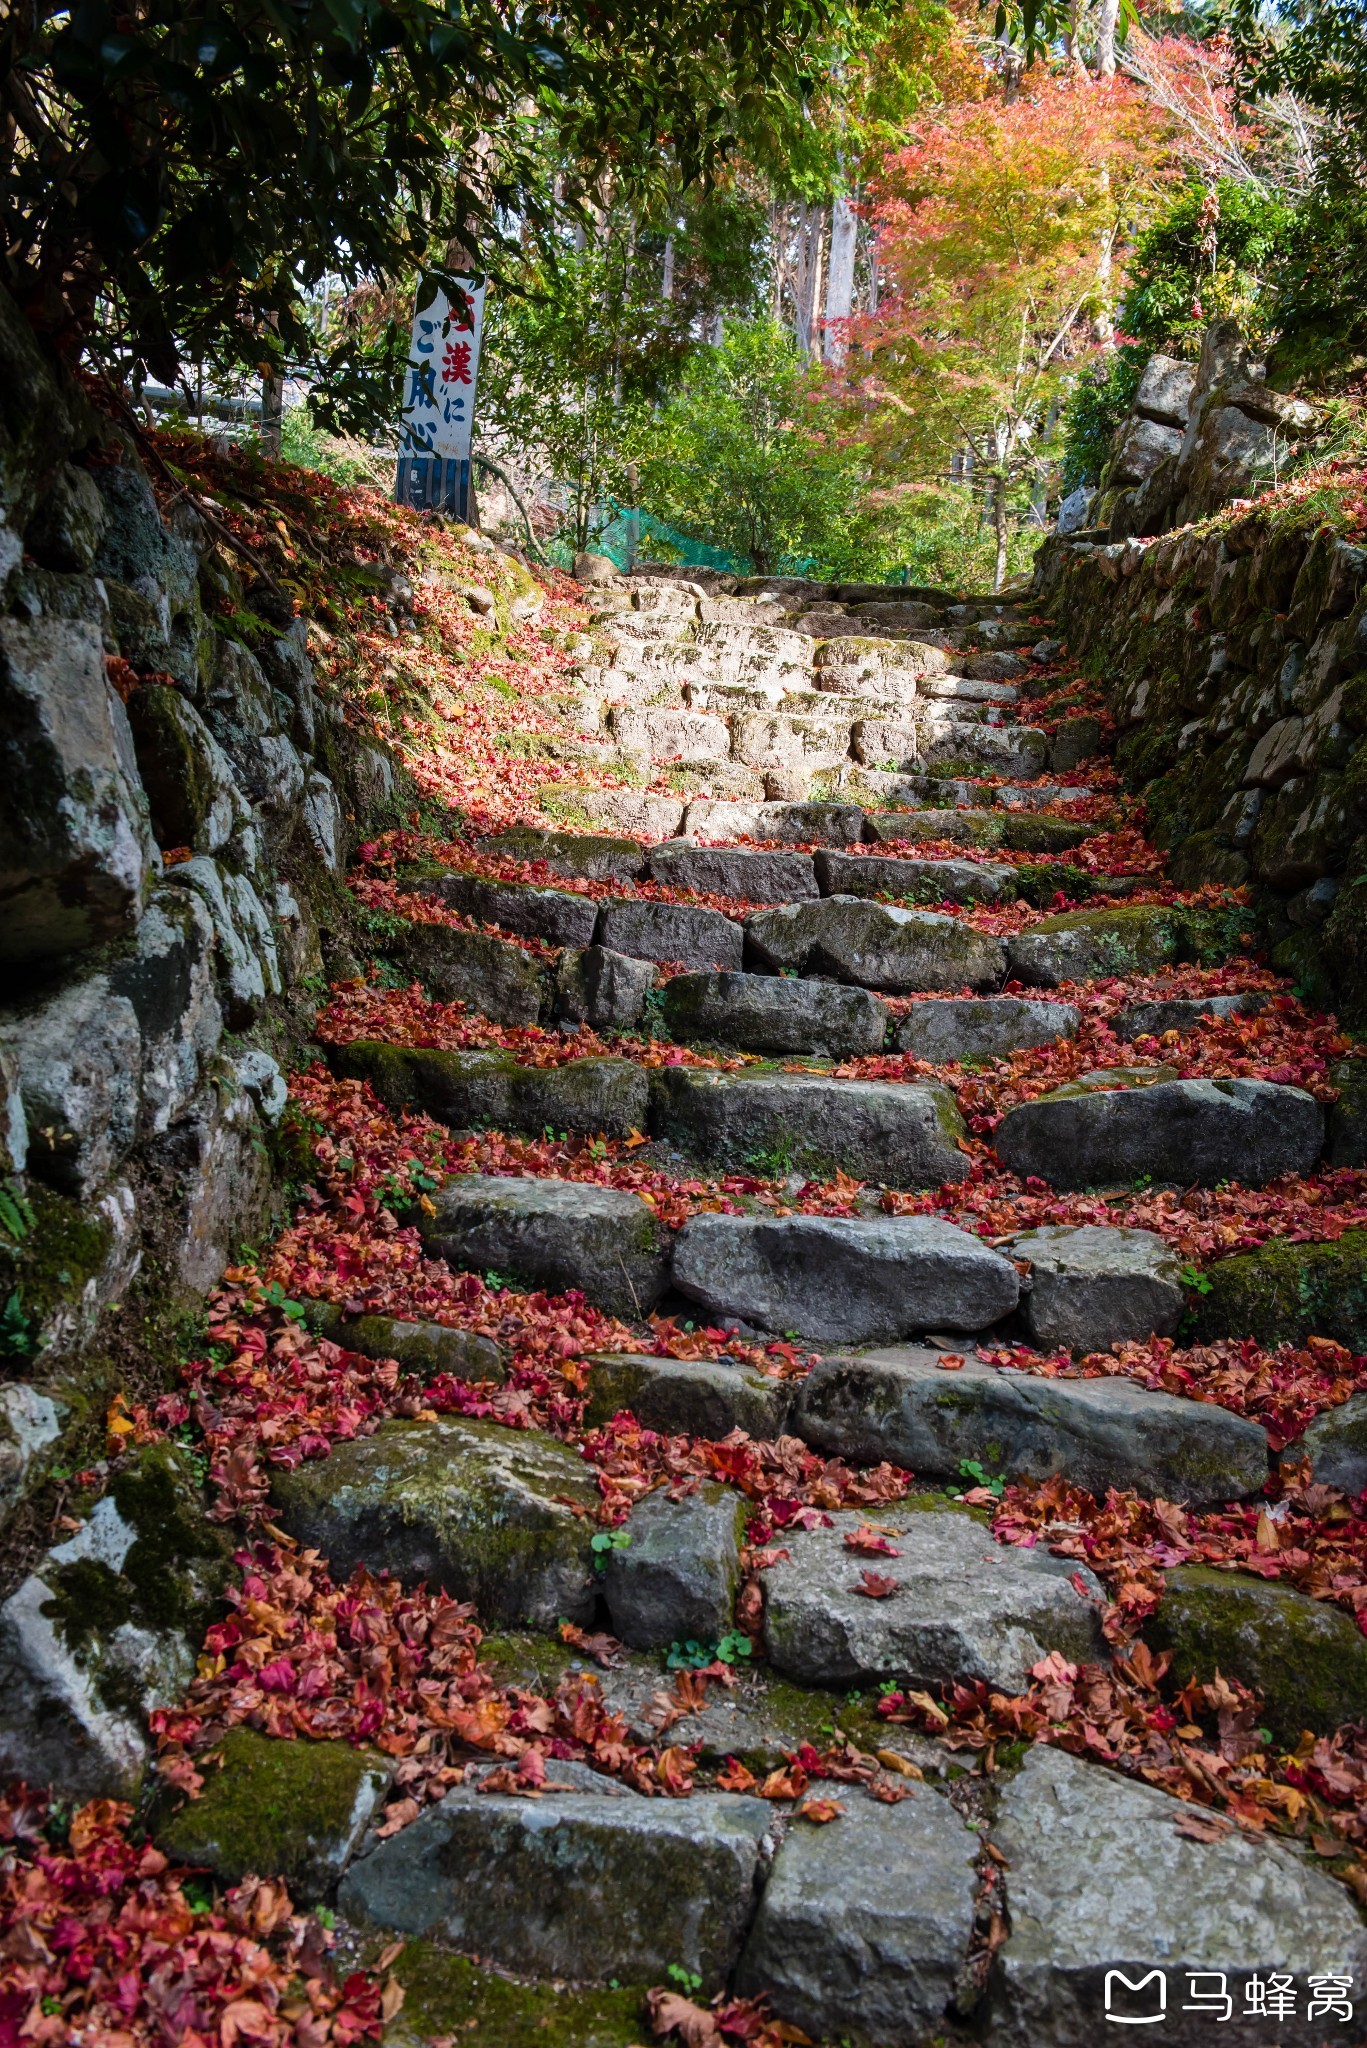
(1283, 1293)
(1347, 1143)
(1307, 1658)
(493, 1515)
(495, 976)
(1026, 832)
(448, 1996)
(463, 1089)
(422, 1348)
(295, 1810)
(1084, 945)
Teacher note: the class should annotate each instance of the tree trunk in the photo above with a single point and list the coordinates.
(807, 284)
(272, 414)
(667, 280)
(1107, 15)
(999, 527)
(840, 280)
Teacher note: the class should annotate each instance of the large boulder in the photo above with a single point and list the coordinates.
(837, 1279)
(76, 852)
(685, 933)
(1284, 1292)
(1307, 1658)
(1114, 1901)
(1184, 1131)
(914, 881)
(753, 874)
(194, 797)
(494, 1515)
(706, 1397)
(774, 1013)
(903, 1134)
(675, 1578)
(590, 1884)
(962, 1606)
(863, 1926)
(168, 976)
(1098, 1286)
(989, 1027)
(874, 945)
(1086, 945)
(902, 1404)
(553, 1234)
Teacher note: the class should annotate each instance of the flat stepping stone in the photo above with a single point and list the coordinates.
(973, 744)
(921, 881)
(1336, 1445)
(842, 1280)
(1037, 795)
(963, 1608)
(494, 976)
(626, 810)
(423, 1348)
(899, 1133)
(967, 828)
(1307, 1657)
(590, 856)
(901, 1404)
(553, 915)
(687, 1396)
(989, 1027)
(675, 1578)
(1187, 1132)
(1100, 1879)
(599, 1096)
(298, 1809)
(664, 735)
(1088, 945)
(687, 933)
(502, 1517)
(1097, 1286)
(773, 1013)
(588, 1885)
(1183, 1013)
(874, 945)
(864, 1924)
(553, 1234)
(754, 875)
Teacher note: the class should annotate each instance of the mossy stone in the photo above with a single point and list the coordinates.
(1025, 832)
(294, 1810)
(1307, 1658)
(463, 1089)
(1283, 1293)
(447, 1996)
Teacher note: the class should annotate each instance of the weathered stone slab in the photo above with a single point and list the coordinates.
(918, 881)
(602, 989)
(1087, 945)
(1183, 1131)
(423, 1348)
(752, 874)
(902, 1404)
(1336, 1445)
(1182, 1013)
(675, 1581)
(1100, 1879)
(593, 856)
(706, 1397)
(589, 1885)
(1308, 1658)
(77, 1056)
(773, 1013)
(482, 1511)
(626, 810)
(593, 1096)
(840, 1279)
(810, 824)
(903, 1134)
(864, 1925)
(965, 1607)
(495, 977)
(463, 1089)
(992, 1027)
(296, 1809)
(1098, 1286)
(553, 1234)
(555, 915)
(686, 933)
(874, 945)
(967, 828)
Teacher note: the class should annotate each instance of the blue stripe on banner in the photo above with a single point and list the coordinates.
(433, 484)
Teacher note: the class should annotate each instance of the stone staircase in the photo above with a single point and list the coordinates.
(822, 746)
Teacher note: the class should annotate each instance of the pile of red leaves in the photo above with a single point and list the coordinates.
(102, 1946)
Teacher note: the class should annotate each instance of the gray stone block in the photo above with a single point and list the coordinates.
(553, 1234)
(1182, 1131)
(773, 1013)
(991, 1027)
(903, 1134)
(676, 1580)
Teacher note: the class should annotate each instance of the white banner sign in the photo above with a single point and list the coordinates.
(443, 363)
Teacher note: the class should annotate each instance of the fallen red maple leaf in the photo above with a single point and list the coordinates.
(875, 1587)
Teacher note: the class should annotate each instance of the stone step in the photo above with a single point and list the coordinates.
(989, 1027)
(591, 857)
(980, 828)
(595, 1883)
(1087, 945)
(774, 1014)
(553, 1234)
(1183, 1132)
(963, 1607)
(1094, 1929)
(874, 945)
(902, 1405)
(687, 1396)
(751, 875)
(916, 881)
(843, 1280)
(903, 1134)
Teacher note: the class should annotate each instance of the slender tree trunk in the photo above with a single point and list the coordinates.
(667, 279)
(840, 277)
(999, 527)
(873, 272)
(807, 285)
(1107, 15)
